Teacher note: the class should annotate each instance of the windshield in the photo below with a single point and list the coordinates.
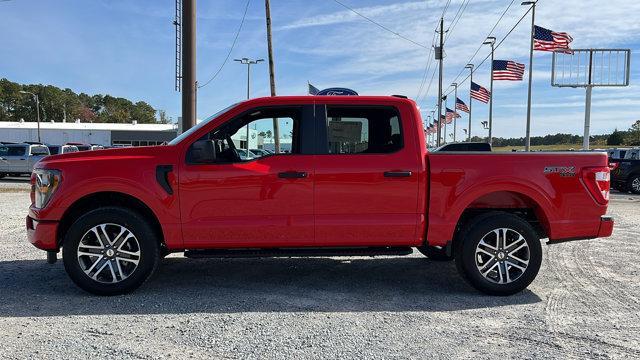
(200, 125)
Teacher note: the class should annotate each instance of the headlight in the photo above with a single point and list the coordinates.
(44, 183)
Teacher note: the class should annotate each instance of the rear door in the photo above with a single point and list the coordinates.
(17, 158)
(259, 202)
(366, 189)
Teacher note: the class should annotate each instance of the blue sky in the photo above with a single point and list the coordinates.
(126, 48)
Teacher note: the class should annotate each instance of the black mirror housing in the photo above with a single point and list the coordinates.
(202, 152)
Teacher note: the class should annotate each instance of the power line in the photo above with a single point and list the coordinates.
(497, 46)
(456, 18)
(489, 34)
(235, 39)
(427, 66)
(380, 25)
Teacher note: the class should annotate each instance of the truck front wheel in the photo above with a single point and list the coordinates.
(110, 251)
(500, 254)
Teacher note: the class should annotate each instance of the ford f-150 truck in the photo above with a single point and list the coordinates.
(356, 179)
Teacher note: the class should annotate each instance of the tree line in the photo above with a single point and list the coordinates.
(630, 137)
(57, 103)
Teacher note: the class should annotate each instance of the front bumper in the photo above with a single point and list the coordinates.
(42, 234)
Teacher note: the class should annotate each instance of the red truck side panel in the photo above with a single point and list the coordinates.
(505, 180)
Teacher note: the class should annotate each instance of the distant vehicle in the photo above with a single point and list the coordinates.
(260, 152)
(625, 173)
(19, 159)
(466, 146)
(617, 153)
(85, 147)
(62, 149)
(243, 154)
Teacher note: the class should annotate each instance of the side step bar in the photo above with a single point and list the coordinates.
(296, 252)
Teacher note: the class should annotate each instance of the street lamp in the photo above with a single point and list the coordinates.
(248, 62)
(527, 141)
(491, 41)
(470, 67)
(35, 97)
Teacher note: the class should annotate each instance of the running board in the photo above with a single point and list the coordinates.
(297, 252)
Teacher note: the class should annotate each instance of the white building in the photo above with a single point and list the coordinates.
(131, 134)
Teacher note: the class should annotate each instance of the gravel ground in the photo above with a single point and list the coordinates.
(584, 303)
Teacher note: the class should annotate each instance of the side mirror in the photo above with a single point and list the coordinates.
(203, 152)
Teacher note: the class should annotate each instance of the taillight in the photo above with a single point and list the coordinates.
(597, 181)
(613, 165)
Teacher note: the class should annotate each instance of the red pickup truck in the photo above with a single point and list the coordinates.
(353, 177)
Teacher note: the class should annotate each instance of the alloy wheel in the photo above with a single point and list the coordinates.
(502, 255)
(108, 253)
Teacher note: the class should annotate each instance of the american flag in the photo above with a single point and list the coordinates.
(507, 70)
(547, 40)
(451, 115)
(479, 93)
(460, 105)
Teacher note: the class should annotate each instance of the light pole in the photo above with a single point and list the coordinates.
(455, 103)
(35, 97)
(248, 62)
(491, 41)
(470, 66)
(527, 141)
(444, 137)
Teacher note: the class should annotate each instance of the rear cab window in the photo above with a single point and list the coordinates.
(39, 150)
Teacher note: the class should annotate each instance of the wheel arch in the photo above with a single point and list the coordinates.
(505, 201)
(107, 198)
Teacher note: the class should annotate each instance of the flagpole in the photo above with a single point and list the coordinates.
(491, 41)
(470, 66)
(455, 104)
(527, 142)
(445, 120)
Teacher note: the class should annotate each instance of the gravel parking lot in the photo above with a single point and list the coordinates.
(584, 303)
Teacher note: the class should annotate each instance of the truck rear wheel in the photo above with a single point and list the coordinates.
(110, 251)
(500, 254)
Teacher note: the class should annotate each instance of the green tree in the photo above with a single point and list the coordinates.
(634, 134)
(615, 138)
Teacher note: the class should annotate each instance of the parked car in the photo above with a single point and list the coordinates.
(260, 152)
(617, 153)
(85, 147)
(358, 181)
(19, 159)
(625, 173)
(62, 149)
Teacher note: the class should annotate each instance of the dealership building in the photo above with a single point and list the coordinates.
(129, 134)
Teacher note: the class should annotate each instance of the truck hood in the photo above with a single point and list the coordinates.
(120, 154)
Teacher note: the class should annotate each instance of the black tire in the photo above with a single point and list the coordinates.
(434, 253)
(467, 259)
(633, 184)
(148, 247)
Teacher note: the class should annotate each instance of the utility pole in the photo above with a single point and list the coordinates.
(527, 141)
(491, 41)
(272, 74)
(470, 66)
(35, 98)
(439, 56)
(455, 115)
(248, 62)
(188, 64)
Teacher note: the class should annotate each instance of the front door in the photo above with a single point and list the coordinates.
(246, 199)
(366, 190)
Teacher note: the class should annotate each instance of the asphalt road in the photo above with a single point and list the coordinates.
(584, 303)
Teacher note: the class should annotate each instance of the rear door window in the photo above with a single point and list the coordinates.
(16, 151)
(363, 130)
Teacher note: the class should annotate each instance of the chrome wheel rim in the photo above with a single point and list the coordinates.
(502, 256)
(635, 185)
(108, 253)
